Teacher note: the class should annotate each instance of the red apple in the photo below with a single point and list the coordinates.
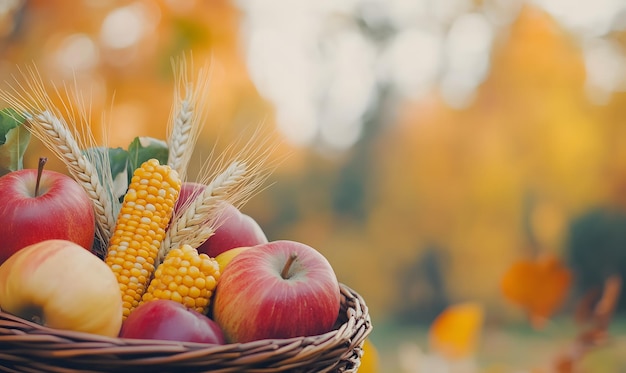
(59, 284)
(38, 205)
(172, 321)
(280, 289)
(234, 228)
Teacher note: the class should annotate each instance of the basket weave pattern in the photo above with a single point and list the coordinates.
(29, 347)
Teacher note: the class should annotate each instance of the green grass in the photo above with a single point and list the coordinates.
(509, 348)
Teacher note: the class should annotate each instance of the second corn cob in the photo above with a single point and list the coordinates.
(186, 277)
(140, 227)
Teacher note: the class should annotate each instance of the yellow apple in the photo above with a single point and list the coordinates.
(224, 258)
(59, 284)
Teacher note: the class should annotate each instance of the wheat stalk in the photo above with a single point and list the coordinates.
(196, 221)
(45, 122)
(241, 176)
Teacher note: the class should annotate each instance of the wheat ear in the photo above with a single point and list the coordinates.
(54, 134)
(188, 114)
(180, 135)
(193, 226)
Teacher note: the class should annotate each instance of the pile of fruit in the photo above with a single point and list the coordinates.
(152, 274)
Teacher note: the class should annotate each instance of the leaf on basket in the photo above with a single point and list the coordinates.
(539, 286)
(14, 139)
(455, 332)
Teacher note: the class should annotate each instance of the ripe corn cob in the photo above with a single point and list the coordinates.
(140, 228)
(185, 277)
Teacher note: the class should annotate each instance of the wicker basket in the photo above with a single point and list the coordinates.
(29, 347)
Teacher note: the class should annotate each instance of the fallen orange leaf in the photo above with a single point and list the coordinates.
(454, 333)
(538, 286)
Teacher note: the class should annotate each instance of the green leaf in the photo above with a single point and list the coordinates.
(14, 139)
(9, 119)
(117, 160)
(143, 148)
(123, 162)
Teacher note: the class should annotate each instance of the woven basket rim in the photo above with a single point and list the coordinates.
(27, 346)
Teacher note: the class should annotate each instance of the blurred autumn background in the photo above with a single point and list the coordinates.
(461, 163)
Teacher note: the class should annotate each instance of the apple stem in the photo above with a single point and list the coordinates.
(285, 272)
(42, 162)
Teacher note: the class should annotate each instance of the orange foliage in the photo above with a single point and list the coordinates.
(129, 89)
(454, 333)
(538, 285)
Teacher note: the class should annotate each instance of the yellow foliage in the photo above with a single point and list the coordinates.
(128, 90)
